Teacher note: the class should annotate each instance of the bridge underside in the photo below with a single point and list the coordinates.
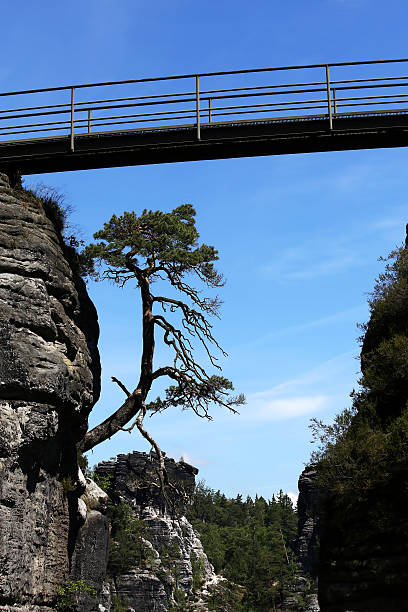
(218, 141)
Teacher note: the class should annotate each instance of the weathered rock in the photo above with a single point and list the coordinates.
(90, 556)
(128, 472)
(134, 481)
(49, 381)
(307, 544)
(141, 590)
(93, 496)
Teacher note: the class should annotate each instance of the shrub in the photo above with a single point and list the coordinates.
(198, 572)
(68, 484)
(128, 546)
(119, 604)
(70, 593)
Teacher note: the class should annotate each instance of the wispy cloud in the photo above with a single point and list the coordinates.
(322, 373)
(328, 253)
(321, 388)
(392, 225)
(386, 223)
(355, 314)
(307, 262)
(268, 409)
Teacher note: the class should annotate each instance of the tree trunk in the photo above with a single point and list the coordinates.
(146, 366)
(135, 401)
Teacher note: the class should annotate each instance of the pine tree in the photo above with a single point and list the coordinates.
(150, 247)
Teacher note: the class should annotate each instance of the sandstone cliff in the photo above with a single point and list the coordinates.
(49, 381)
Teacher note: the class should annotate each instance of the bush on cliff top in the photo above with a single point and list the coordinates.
(58, 212)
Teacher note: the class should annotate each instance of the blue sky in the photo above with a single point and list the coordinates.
(299, 236)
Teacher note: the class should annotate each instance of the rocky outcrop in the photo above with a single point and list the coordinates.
(49, 381)
(176, 549)
(307, 544)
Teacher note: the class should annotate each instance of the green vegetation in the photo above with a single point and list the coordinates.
(366, 448)
(68, 484)
(128, 544)
(226, 597)
(54, 205)
(170, 556)
(58, 212)
(69, 593)
(104, 482)
(129, 536)
(119, 604)
(250, 543)
(198, 571)
(180, 601)
(83, 464)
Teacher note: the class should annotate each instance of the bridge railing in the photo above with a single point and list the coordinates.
(291, 93)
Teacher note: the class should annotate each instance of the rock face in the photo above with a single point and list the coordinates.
(49, 381)
(358, 553)
(90, 555)
(364, 553)
(307, 544)
(308, 526)
(152, 589)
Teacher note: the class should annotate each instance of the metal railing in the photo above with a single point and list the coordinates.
(206, 100)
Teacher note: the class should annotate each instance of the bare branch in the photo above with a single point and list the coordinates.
(121, 385)
(166, 371)
(162, 469)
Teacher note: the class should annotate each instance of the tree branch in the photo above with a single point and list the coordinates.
(113, 423)
(121, 385)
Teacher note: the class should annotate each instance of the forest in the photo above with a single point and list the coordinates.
(250, 542)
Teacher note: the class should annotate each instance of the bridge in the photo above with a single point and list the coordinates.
(240, 113)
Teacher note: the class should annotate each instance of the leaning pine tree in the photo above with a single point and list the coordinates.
(143, 249)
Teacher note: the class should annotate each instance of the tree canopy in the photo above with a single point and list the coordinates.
(251, 543)
(150, 247)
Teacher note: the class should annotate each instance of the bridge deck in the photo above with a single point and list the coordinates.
(218, 141)
(230, 118)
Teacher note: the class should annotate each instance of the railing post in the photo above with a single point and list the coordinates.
(329, 97)
(72, 118)
(198, 107)
(334, 101)
(89, 120)
(209, 110)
